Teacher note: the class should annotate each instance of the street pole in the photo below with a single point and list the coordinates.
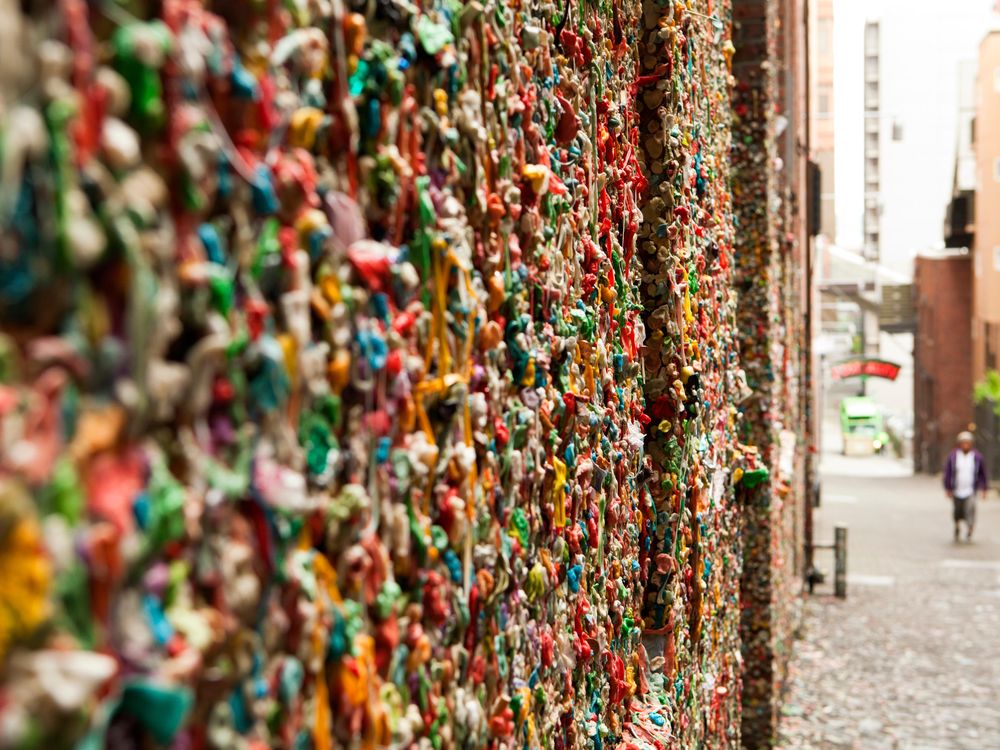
(864, 349)
(840, 562)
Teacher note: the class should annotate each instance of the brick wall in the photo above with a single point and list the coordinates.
(942, 356)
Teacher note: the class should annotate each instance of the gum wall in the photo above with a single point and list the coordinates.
(370, 376)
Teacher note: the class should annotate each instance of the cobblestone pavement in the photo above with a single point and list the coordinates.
(911, 659)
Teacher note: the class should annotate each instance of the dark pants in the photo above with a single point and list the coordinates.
(965, 509)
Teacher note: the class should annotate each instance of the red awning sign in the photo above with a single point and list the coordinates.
(869, 368)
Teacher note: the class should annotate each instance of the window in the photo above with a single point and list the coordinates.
(871, 95)
(996, 169)
(824, 37)
(824, 95)
(996, 259)
(996, 79)
(871, 170)
(871, 36)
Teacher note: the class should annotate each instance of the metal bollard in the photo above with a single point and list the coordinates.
(840, 562)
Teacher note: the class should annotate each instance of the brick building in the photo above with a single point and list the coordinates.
(966, 299)
(942, 384)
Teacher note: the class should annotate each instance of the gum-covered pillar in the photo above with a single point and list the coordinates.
(757, 279)
(691, 535)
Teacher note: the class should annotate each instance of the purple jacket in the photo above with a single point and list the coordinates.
(949, 471)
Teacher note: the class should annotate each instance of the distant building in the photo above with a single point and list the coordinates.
(821, 111)
(959, 220)
(986, 229)
(942, 383)
(854, 304)
(872, 243)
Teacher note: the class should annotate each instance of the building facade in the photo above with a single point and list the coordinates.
(986, 243)
(821, 105)
(871, 244)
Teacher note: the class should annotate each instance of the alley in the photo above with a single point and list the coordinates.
(911, 659)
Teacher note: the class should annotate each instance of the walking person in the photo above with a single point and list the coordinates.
(964, 477)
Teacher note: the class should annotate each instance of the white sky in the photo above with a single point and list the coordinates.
(923, 42)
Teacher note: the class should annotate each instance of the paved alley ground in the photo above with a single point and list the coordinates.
(911, 659)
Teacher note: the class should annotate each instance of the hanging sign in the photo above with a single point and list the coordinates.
(868, 368)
